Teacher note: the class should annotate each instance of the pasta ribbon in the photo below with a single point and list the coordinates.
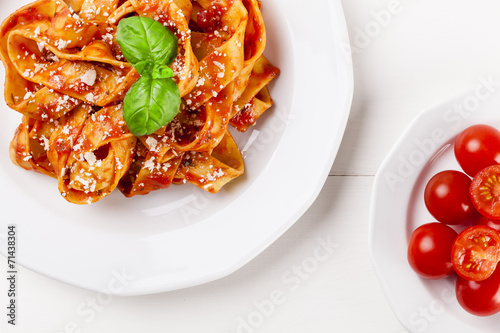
(29, 147)
(98, 153)
(255, 99)
(211, 171)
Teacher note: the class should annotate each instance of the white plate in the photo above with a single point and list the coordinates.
(398, 208)
(181, 236)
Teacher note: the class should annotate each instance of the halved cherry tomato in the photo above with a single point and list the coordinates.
(480, 298)
(476, 252)
(447, 197)
(485, 192)
(429, 250)
(477, 147)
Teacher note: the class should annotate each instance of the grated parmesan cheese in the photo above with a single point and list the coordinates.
(153, 144)
(89, 77)
(90, 97)
(90, 158)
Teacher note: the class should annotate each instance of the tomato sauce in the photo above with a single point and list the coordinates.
(209, 20)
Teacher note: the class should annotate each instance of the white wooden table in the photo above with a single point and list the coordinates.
(407, 55)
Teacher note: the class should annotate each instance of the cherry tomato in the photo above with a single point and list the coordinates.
(485, 192)
(447, 197)
(429, 250)
(477, 147)
(476, 252)
(479, 298)
(481, 220)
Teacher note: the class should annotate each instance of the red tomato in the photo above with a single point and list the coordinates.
(429, 251)
(485, 192)
(493, 224)
(447, 197)
(477, 147)
(476, 252)
(480, 298)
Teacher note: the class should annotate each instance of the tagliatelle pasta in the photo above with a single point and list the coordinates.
(66, 75)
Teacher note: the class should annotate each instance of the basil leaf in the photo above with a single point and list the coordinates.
(150, 104)
(155, 71)
(154, 100)
(162, 72)
(144, 68)
(144, 39)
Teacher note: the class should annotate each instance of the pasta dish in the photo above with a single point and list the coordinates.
(66, 73)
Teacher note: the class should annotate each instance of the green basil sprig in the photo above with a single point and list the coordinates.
(154, 100)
